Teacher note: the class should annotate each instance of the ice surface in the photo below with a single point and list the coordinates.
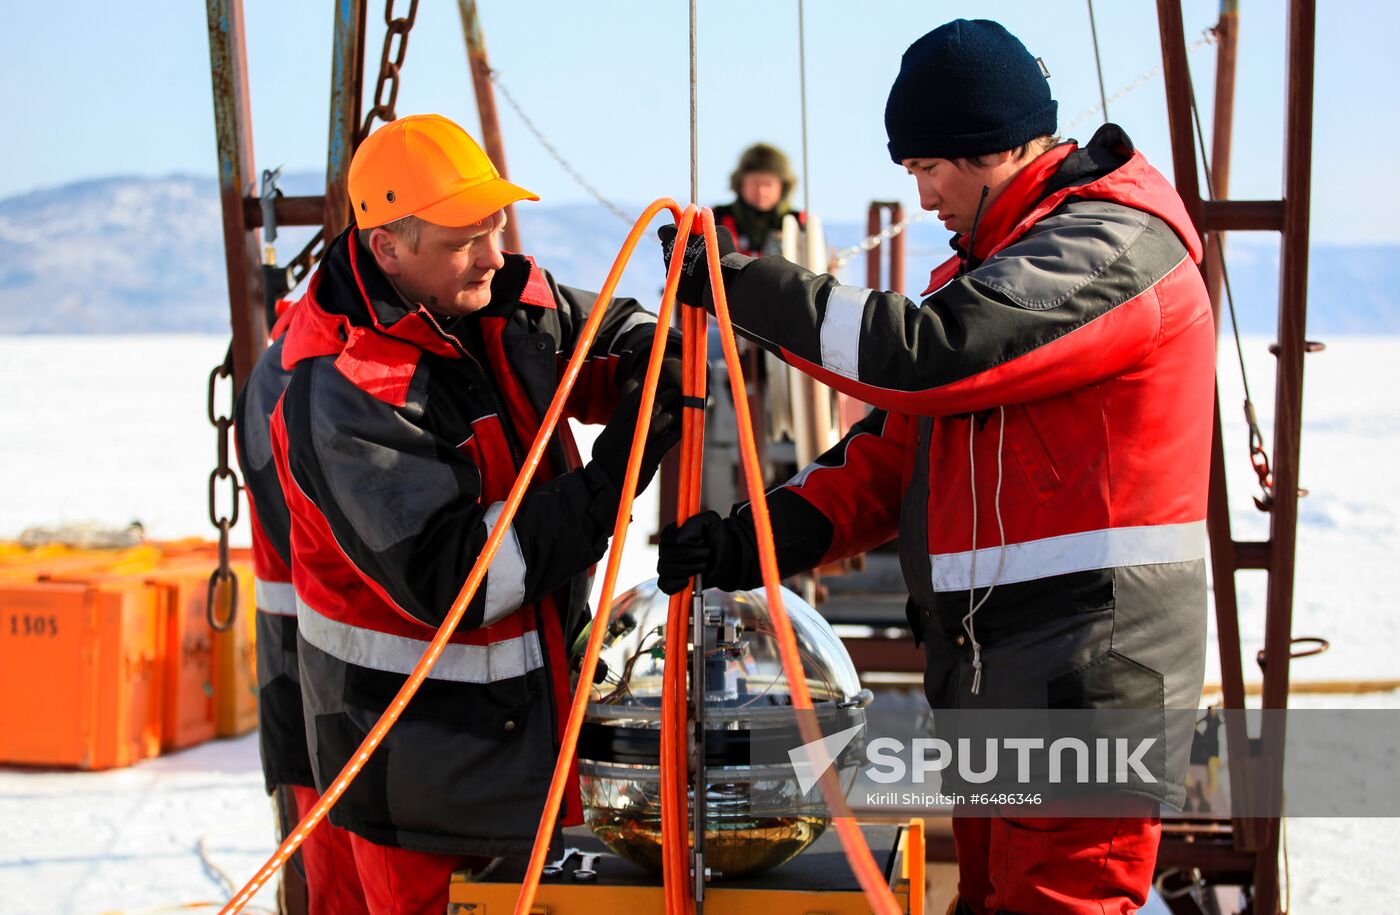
(114, 429)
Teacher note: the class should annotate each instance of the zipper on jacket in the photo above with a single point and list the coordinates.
(506, 423)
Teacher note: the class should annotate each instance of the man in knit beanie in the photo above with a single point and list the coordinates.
(1040, 447)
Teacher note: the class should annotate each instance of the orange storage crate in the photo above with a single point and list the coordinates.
(235, 665)
(232, 691)
(80, 674)
(189, 659)
(33, 564)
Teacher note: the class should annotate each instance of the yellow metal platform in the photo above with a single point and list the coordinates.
(816, 882)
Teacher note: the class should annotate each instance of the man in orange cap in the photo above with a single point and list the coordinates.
(422, 359)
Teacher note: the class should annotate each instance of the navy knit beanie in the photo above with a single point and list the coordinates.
(967, 88)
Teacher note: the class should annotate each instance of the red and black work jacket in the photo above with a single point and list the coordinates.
(1041, 443)
(397, 440)
(755, 247)
(281, 725)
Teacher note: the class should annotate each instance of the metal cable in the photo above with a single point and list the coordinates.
(1207, 38)
(554, 153)
(1258, 455)
(694, 118)
(1098, 61)
(802, 79)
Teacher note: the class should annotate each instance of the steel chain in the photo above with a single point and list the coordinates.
(555, 154)
(870, 242)
(842, 257)
(386, 93)
(223, 523)
(390, 65)
(299, 266)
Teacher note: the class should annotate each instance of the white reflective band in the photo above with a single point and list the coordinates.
(845, 308)
(398, 654)
(633, 320)
(1105, 549)
(806, 472)
(505, 580)
(276, 597)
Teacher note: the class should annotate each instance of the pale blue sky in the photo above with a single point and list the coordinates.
(97, 88)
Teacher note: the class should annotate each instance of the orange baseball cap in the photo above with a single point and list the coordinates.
(425, 165)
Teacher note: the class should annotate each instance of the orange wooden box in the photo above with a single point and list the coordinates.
(80, 673)
(224, 659)
(189, 658)
(20, 564)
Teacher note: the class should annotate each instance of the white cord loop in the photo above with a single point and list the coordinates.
(969, 623)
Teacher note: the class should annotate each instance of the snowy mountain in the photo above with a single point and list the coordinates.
(143, 255)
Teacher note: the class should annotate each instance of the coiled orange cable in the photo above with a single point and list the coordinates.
(676, 874)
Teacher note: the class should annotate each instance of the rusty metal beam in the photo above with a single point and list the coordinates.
(896, 656)
(1292, 342)
(1252, 554)
(897, 249)
(347, 82)
(233, 127)
(872, 257)
(1238, 216)
(291, 211)
(1227, 30)
(1288, 410)
(1218, 216)
(1177, 77)
(884, 213)
(486, 107)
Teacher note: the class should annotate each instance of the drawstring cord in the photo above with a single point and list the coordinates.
(969, 623)
(972, 237)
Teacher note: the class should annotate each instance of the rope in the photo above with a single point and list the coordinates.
(214, 872)
(843, 256)
(1098, 61)
(554, 153)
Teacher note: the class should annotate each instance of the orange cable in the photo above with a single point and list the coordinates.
(478, 572)
(676, 875)
(530, 884)
(852, 841)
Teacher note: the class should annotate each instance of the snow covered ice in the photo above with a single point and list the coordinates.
(113, 429)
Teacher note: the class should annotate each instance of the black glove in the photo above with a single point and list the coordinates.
(722, 550)
(672, 371)
(695, 269)
(614, 443)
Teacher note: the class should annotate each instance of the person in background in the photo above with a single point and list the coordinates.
(762, 183)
